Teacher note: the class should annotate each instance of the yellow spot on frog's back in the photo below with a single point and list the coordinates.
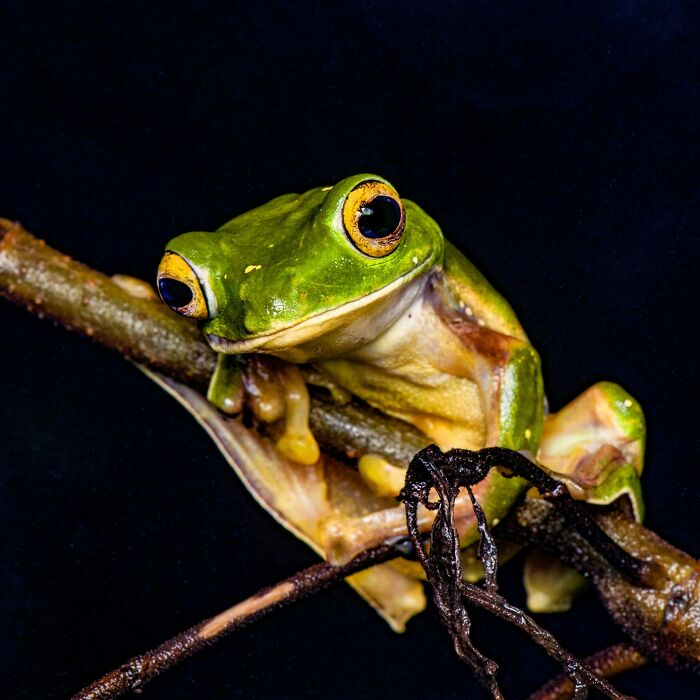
(528, 433)
(250, 268)
(414, 260)
(628, 403)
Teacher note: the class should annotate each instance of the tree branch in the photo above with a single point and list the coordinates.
(52, 285)
(662, 617)
(137, 672)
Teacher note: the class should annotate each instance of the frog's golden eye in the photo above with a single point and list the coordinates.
(180, 288)
(374, 218)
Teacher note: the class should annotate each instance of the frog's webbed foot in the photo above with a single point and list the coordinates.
(275, 392)
(595, 445)
(301, 496)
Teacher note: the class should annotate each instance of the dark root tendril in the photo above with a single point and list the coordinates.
(449, 472)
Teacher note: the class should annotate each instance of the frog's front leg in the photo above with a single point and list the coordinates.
(507, 371)
(275, 391)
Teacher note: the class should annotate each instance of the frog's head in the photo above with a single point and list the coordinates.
(304, 276)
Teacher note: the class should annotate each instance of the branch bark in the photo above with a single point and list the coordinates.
(662, 616)
(52, 285)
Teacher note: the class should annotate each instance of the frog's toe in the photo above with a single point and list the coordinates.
(226, 385)
(300, 446)
(551, 586)
(384, 479)
(135, 287)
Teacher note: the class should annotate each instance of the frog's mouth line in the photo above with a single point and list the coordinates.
(312, 326)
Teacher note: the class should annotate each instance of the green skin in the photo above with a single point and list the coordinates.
(287, 280)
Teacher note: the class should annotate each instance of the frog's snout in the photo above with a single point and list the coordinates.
(180, 288)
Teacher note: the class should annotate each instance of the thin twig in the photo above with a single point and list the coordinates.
(137, 672)
(605, 663)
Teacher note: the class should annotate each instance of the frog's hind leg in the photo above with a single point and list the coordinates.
(595, 444)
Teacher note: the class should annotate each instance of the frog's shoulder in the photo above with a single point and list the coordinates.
(476, 296)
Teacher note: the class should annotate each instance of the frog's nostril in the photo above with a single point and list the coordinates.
(174, 293)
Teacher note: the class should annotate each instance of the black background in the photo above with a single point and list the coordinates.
(555, 142)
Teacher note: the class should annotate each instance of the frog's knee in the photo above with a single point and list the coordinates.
(597, 441)
(624, 409)
(603, 414)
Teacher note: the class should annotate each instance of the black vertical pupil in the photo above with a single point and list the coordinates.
(380, 217)
(174, 293)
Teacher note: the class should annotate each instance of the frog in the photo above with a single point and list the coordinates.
(355, 289)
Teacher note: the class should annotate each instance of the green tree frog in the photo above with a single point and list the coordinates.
(355, 289)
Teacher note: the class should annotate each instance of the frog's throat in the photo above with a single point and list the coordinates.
(348, 325)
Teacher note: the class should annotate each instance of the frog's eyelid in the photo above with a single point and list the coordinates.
(209, 296)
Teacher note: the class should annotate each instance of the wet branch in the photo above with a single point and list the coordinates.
(605, 663)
